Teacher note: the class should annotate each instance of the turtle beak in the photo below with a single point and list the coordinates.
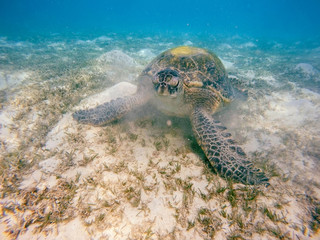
(163, 91)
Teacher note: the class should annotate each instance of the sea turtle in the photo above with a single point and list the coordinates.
(187, 81)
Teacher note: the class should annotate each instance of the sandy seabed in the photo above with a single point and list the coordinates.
(142, 178)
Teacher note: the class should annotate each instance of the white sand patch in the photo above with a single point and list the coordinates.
(70, 230)
(228, 65)
(94, 41)
(117, 66)
(269, 79)
(248, 45)
(264, 77)
(32, 180)
(10, 44)
(190, 171)
(188, 43)
(200, 185)
(57, 134)
(84, 42)
(49, 165)
(116, 57)
(112, 178)
(163, 216)
(104, 39)
(51, 182)
(3, 56)
(140, 161)
(287, 110)
(306, 68)
(261, 141)
(7, 137)
(166, 44)
(119, 90)
(250, 74)
(9, 79)
(225, 46)
(72, 173)
(233, 76)
(147, 54)
(57, 45)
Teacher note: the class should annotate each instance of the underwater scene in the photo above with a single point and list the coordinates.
(149, 172)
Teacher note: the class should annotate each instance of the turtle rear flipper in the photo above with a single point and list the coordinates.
(109, 111)
(227, 158)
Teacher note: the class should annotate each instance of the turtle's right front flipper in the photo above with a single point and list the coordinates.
(110, 111)
(225, 156)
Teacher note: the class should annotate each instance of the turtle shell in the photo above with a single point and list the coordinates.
(197, 67)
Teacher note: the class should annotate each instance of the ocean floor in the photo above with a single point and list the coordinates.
(144, 177)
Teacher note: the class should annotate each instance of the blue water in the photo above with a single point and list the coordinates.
(277, 19)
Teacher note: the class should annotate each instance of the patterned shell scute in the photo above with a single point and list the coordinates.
(196, 66)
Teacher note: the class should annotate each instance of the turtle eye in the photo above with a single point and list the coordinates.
(174, 81)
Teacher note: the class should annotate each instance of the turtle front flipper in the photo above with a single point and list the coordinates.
(227, 158)
(110, 111)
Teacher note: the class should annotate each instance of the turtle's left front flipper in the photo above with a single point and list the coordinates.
(225, 156)
(110, 111)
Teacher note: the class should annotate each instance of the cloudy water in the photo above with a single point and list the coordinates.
(144, 176)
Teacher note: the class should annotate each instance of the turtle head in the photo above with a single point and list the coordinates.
(167, 82)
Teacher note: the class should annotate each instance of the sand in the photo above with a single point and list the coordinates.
(143, 177)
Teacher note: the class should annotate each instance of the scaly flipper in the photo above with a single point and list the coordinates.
(226, 157)
(110, 111)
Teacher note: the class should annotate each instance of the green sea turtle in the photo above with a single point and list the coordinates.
(187, 81)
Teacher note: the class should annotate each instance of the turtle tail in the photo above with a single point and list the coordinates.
(109, 111)
(226, 157)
